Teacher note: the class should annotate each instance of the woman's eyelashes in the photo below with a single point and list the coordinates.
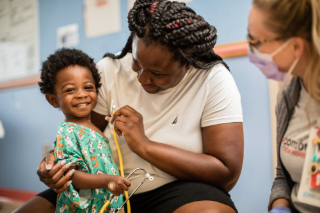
(156, 74)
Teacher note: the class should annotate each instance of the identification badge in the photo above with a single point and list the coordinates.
(309, 191)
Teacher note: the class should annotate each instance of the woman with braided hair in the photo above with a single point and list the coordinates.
(179, 115)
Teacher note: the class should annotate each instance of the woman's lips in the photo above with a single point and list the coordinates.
(148, 87)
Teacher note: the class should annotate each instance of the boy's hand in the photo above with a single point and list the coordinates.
(117, 184)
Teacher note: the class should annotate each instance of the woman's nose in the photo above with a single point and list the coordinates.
(143, 77)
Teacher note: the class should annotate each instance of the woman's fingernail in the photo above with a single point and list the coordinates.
(69, 182)
(63, 162)
(68, 165)
(48, 166)
(72, 172)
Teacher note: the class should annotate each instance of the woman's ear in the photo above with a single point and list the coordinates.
(52, 99)
(299, 47)
(188, 66)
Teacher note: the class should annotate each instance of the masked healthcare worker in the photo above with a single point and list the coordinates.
(284, 43)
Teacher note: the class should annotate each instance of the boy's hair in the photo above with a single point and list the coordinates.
(61, 59)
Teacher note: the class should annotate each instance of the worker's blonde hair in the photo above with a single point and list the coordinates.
(298, 18)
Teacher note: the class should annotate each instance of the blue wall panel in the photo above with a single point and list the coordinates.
(29, 120)
(256, 179)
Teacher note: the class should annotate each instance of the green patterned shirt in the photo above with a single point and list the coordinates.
(91, 153)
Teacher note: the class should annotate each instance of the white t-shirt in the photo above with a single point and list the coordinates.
(174, 116)
(295, 142)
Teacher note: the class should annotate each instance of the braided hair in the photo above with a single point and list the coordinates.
(187, 35)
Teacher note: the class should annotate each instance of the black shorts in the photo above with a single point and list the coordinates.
(167, 198)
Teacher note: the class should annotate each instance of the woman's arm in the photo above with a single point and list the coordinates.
(220, 164)
(280, 191)
(221, 161)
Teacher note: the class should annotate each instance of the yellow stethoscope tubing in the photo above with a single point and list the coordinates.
(121, 173)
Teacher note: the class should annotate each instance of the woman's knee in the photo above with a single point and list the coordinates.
(36, 205)
(205, 207)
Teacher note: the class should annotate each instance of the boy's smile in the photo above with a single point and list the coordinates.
(75, 93)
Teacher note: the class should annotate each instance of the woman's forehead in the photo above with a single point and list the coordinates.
(257, 24)
(151, 55)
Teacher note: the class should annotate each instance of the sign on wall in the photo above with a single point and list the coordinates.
(19, 39)
(68, 36)
(101, 17)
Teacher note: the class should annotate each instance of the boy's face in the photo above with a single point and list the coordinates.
(75, 92)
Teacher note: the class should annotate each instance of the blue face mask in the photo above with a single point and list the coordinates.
(268, 67)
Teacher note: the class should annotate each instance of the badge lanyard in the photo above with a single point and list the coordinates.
(309, 191)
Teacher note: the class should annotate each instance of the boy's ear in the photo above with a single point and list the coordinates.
(52, 99)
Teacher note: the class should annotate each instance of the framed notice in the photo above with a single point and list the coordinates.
(19, 39)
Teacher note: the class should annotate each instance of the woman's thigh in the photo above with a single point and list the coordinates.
(179, 196)
(205, 207)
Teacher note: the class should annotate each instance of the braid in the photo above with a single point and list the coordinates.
(125, 50)
(187, 35)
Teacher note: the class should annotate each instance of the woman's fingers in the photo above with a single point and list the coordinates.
(121, 119)
(50, 161)
(62, 181)
(129, 108)
(42, 171)
(63, 188)
(45, 166)
(61, 170)
(118, 126)
(56, 173)
(125, 111)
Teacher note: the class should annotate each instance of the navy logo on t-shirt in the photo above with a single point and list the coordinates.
(175, 120)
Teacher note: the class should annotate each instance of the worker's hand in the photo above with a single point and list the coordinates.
(51, 175)
(280, 209)
(117, 184)
(129, 122)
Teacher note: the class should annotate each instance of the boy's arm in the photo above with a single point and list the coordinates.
(82, 180)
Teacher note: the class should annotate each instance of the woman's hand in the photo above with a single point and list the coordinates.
(129, 122)
(51, 175)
